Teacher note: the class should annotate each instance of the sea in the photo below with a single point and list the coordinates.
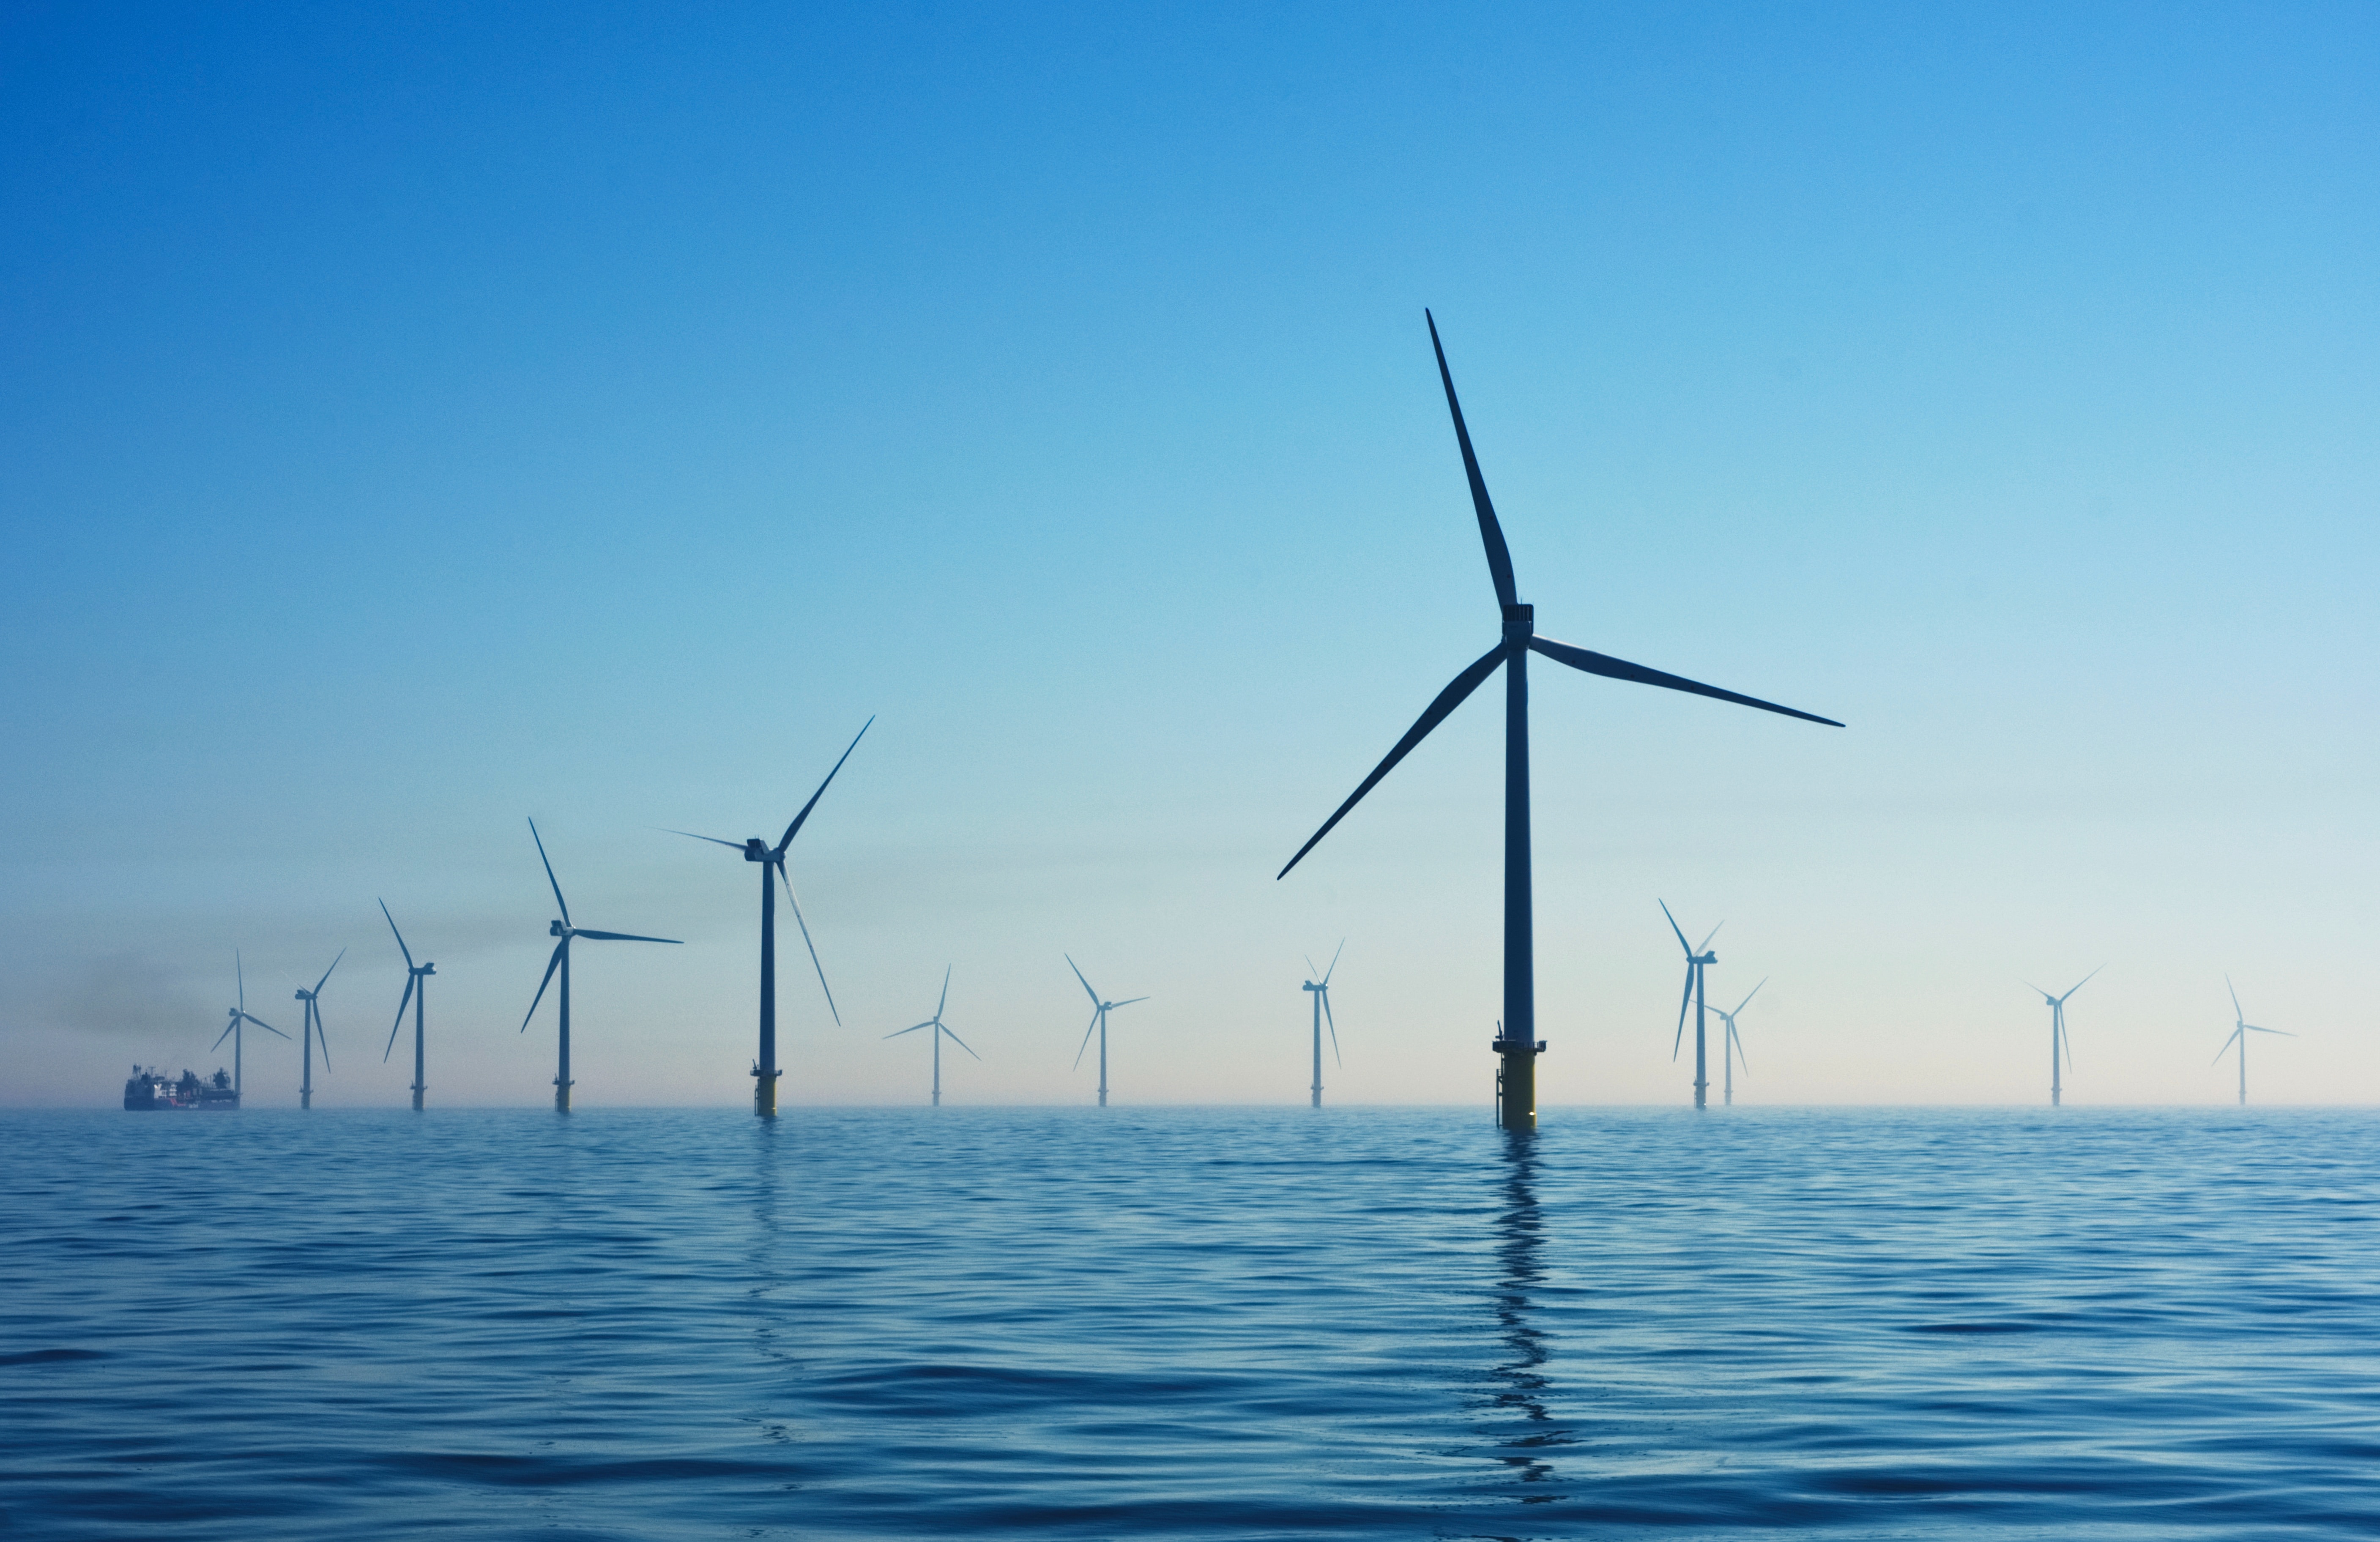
(1190, 1323)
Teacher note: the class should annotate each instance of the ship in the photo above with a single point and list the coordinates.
(149, 1087)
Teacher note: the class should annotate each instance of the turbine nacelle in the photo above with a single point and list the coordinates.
(427, 968)
(756, 849)
(556, 928)
(1520, 625)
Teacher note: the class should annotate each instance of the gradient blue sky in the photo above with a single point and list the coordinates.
(419, 417)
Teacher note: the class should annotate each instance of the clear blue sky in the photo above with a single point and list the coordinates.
(415, 419)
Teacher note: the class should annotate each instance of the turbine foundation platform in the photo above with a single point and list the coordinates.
(764, 1093)
(1516, 1082)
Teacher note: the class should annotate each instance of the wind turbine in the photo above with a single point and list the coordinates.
(1697, 960)
(1516, 1039)
(1732, 1049)
(2058, 1039)
(416, 991)
(240, 1015)
(772, 860)
(313, 1032)
(1320, 990)
(935, 1022)
(1099, 1010)
(561, 960)
(2241, 1029)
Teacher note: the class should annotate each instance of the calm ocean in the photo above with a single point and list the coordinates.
(1190, 1323)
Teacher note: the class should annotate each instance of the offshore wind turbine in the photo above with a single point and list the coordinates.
(1320, 990)
(416, 991)
(936, 1023)
(1516, 1042)
(2057, 1039)
(1099, 1010)
(1731, 1048)
(240, 1015)
(2241, 1029)
(772, 860)
(313, 1032)
(561, 960)
(1697, 960)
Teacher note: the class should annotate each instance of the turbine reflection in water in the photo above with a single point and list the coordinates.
(1527, 1434)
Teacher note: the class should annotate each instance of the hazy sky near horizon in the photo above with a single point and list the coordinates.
(416, 419)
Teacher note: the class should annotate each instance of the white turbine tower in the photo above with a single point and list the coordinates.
(1731, 1048)
(935, 1022)
(1099, 1010)
(2057, 1039)
(1320, 990)
(2241, 1029)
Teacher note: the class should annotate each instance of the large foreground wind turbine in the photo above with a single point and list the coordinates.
(1731, 1050)
(772, 860)
(1099, 1010)
(2057, 1039)
(1320, 990)
(561, 960)
(1697, 960)
(1517, 1043)
(240, 1015)
(2241, 1029)
(940, 1028)
(312, 1033)
(416, 991)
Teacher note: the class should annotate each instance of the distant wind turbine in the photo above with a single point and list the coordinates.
(240, 1015)
(1516, 1040)
(940, 1028)
(772, 860)
(561, 960)
(1320, 990)
(1099, 1010)
(2058, 1039)
(416, 991)
(2241, 1029)
(1731, 1050)
(1697, 960)
(312, 1033)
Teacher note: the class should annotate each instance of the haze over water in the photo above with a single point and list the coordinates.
(1193, 1323)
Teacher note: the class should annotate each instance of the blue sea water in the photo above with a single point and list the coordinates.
(1189, 1323)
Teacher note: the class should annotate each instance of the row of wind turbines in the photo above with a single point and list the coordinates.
(1515, 1045)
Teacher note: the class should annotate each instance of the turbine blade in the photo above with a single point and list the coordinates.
(1312, 974)
(550, 966)
(1708, 936)
(1683, 1002)
(220, 1036)
(549, 872)
(2225, 1050)
(239, 973)
(2283, 1032)
(795, 828)
(2238, 1013)
(1674, 927)
(400, 939)
(1087, 1039)
(266, 1026)
(1747, 998)
(1491, 534)
(946, 994)
(321, 1035)
(627, 937)
(794, 900)
(912, 1029)
(732, 846)
(403, 1002)
(1620, 669)
(1078, 975)
(1127, 1001)
(2083, 981)
(1334, 963)
(960, 1042)
(326, 974)
(1432, 715)
(1333, 1022)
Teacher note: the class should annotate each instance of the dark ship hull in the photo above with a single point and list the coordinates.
(148, 1089)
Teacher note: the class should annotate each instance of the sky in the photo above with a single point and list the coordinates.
(416, 419)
